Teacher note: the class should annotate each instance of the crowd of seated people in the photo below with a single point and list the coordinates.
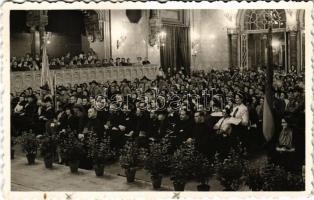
(214, 109)
(90, 59)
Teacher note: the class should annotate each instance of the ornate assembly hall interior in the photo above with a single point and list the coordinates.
(157, 100)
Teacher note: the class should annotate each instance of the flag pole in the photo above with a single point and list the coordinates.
(268, 117)
(55, 91)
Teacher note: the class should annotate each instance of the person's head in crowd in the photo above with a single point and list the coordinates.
(63, 91)
(122, 60)
(30, 98)
(161, 115)
(139, 59)
(138, 112)
(73, 99)
(261, 101)
(128, 60)
(27, 56)
(69, 111)
(251, 91)
(253, 100)
(238, 98)
(113, 108)
(284, 124)
(199, 117)
(29, 91)
(93, 83)
(22, 97)
(77, 110)
(183, 114)
(14, 64)
(143, 106)
(104, 61)
(48, 102)
(152, 114)
(84, 101)
(79, 90)
(92, 113)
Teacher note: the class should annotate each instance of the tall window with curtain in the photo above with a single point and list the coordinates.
(175, 52)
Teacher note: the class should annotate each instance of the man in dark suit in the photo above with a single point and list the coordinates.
(94, 124)
(182, 129)
(46, 114)
(30, 109)
(201, 134)
(112, 126)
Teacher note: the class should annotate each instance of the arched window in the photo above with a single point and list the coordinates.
(259, 19)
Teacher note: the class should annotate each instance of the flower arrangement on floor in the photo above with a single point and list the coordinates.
(30, 145)
(231, 169)
(48, 148)
(157, 161)
(72, 149)
(273, 178)
(100, 152)
(203, 171)
(131, 159)
(182, 165)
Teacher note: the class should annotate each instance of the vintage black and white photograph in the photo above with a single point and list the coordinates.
(158, 99)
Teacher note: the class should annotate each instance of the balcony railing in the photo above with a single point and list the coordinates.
(20, 80)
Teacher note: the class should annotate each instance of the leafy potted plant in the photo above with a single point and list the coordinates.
(295, 182)
(181, 166)
(273, 178)
(157, 161)
(48, 147)
(72, 149)
(230, 170)
(203, 170)
(29, 144)
(131, 159)
(254, 179)
(100, 152)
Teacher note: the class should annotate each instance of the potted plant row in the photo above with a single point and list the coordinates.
(100, 152)
(29, 144)
(272, 177)
(203, 171)
(131, 159)
(48, 148)
(157, 161)
(230, 170)
(72, 150)
(182, 165)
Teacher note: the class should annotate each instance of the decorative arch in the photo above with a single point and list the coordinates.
(241, 17)
(255, 21)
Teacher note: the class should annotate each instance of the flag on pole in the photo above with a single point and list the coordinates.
(268, 117)
(46, 75)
